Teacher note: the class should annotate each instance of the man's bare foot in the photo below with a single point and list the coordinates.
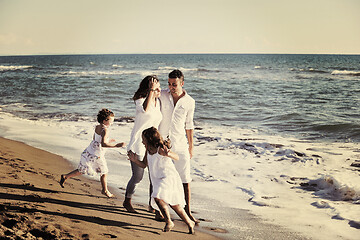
(168, 226)
(62, 181)
(107, 193)
(191, 228)
(127, 205)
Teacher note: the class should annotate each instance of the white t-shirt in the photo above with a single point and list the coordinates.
(176, 119)
(143, 120)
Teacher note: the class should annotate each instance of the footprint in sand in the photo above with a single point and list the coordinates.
(110, 235)
(85, 185)
(217, 230)
(85, 236)
(204, 220)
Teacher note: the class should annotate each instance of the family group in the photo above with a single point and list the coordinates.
(163, 121)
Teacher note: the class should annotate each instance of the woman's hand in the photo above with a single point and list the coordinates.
(154, 86)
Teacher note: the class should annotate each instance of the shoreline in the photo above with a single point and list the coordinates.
(34, 205)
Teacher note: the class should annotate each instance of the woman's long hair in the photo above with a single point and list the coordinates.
(144, 89)
(154, 138)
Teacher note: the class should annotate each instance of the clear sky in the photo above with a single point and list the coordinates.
(182, 26)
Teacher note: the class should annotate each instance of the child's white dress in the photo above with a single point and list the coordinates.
(92, 159)
(165, 180)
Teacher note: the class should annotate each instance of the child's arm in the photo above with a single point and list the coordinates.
(110, 143)
(133, 157)
(166, 152)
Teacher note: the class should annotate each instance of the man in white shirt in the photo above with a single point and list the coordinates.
(177, 108)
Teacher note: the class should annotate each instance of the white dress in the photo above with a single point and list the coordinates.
(92, 159)
(143, 120)
(166, 181)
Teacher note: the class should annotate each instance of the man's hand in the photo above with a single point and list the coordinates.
(191, 152)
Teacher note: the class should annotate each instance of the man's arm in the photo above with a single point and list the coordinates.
(190, 138)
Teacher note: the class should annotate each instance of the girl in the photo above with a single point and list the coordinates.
(167, 185)
(147, 115)
(92, 159)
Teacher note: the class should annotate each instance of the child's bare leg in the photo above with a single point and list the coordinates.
(166, 213)
(69, 175)
(105, 190)
(183, 215)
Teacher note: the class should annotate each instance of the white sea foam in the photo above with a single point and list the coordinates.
(168, 69)
(271, 174)
(13, 68)
(345, 72)
(330, 188)
(117, 66)
(275, 177)
(96, 73)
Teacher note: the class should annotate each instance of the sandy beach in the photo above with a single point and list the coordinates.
(33, 205)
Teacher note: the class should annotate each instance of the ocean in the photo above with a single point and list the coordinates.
(274, 133)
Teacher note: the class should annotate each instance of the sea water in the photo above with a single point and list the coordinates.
(275, 134)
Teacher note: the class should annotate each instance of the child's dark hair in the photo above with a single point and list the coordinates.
(104, 114)
(154, 138)
(144, 89)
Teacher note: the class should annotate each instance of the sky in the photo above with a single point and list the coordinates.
(32, 27)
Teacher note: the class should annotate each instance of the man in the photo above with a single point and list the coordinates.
(177, 108)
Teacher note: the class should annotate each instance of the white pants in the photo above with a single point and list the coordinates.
(183, 166)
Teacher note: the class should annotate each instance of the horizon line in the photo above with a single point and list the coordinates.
(79, 54)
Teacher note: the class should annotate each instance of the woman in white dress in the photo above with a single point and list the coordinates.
(167, 184)
(148, 114)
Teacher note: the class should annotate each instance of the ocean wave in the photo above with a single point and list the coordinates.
(166, 68)
(208, 70)
(96, 73)
(307, 70)
(13, 68)
(330, 188)
(70, 117)
(117, 66)
(336, 128)
(345, 72)
(169, 69)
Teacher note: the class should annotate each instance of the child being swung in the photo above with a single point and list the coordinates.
(93, 157)
(167, 185)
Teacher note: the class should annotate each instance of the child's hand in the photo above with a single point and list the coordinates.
(164, 151)
(131, 156)
(120, 144)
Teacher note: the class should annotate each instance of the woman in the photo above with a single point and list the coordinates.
(148, 114)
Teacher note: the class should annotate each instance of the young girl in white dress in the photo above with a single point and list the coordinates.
(92, 158)
(148, 114)
(167, 184)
